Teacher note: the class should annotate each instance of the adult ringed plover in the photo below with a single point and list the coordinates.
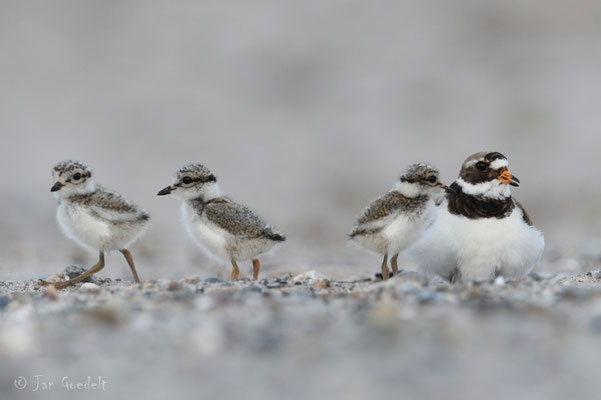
(480, 231)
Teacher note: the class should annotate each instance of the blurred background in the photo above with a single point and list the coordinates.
(304, 111)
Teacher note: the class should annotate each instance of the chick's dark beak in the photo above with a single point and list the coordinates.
(56, 187)
(165, 191)
(448, 189)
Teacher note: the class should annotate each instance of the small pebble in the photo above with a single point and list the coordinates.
(73, 271)
(55, 277)
(428, 297)
(311, 276)
(51, 293)
(4, 301)
(541, 275)
(323, 284)
(439, 283)
(90, 287)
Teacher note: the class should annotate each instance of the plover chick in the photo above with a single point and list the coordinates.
(221, 227)
(94, 217)
(395, 220)
(480, 231)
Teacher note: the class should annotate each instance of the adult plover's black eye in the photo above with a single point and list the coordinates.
(187, 180)
(432, 179)
(77, 176)
(481, 166)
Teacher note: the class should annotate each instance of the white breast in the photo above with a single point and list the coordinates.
(210, 237)
(397, 231)
(81, 227)
(479, 248)
(403, 231)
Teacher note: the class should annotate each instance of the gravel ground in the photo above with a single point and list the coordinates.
(301, 337)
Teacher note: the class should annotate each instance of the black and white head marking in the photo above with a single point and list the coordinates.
(420, 179)
(192, 181)
(485, 175)
(483, 187)
(72, 177)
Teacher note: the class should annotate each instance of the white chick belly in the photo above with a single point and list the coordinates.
(84, 229)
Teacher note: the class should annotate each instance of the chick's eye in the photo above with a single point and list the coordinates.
(481, 166)
(187, 180)
(432, 179)
(77, 176)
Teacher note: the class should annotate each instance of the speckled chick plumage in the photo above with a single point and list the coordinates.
(395, 220)
(222, 227)
(92, 216)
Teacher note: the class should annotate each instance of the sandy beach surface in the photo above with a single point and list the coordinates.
(303, 337)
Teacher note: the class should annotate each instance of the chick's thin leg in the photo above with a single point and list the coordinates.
(385, 268)
(64, 284)
(394, 264)
(130, 261)
(235, 271)
(256, 268)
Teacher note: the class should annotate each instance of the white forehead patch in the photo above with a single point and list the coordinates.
(493, 189)
(496, 164)
(499, 163)
(473, 162)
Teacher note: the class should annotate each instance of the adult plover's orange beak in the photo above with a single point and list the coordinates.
(56, 187)
(508, 179)
(165, 191)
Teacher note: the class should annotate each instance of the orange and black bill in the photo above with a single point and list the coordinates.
(508, 179)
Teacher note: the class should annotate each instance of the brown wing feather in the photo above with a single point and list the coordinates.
(239, 220)
(383, 206)
(113, 201)
(526, 216)
(109, 205)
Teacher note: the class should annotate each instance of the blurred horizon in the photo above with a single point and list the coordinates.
(305, 113)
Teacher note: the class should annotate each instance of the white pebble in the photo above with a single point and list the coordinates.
(90, 287)
(310, 276)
